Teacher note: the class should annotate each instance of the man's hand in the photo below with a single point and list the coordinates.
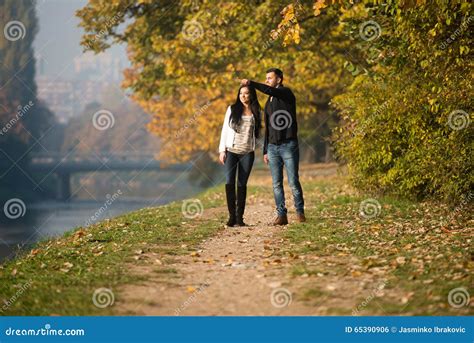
(265, 158)
(244, 82)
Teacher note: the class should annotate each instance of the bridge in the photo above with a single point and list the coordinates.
(63, 165)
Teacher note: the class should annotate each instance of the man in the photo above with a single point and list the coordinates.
(281, 142)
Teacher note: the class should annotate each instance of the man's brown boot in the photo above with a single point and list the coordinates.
(300, 218)
(281, 220)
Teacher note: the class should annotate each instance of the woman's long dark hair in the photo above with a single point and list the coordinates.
(237, 110)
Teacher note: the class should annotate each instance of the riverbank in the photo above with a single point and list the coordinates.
(95, 198)
(355, 256)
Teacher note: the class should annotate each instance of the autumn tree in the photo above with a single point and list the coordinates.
(188, 57)
(392, 75)
(406, 116)
(23, 119)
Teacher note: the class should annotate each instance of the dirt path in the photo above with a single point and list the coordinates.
(240, 272)
(232, 273)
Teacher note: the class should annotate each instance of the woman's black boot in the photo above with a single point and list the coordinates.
(230, 195)
(241, 195)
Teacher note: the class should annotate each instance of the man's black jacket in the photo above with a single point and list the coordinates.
(280, 114)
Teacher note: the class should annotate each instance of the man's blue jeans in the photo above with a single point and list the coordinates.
(286, 154)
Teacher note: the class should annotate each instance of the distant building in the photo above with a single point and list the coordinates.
(98, 67)
(39, 64)
(68, 98)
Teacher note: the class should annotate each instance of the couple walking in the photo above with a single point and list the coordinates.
(241, 128)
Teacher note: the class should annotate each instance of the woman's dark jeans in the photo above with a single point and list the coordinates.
(241, 163)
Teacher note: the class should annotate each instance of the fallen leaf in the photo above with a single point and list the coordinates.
(34, 252)
(401, 260)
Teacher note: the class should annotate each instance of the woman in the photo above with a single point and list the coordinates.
(240, 131)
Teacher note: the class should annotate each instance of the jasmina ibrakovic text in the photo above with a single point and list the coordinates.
(436, 329)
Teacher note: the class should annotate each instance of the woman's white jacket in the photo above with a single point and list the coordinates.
(227, 134)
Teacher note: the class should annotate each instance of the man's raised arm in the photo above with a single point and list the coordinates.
(282, 93)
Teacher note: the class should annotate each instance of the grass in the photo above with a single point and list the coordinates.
(423, 255)
(59, 276)
(421, 248)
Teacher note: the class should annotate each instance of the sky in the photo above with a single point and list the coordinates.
(59, 35)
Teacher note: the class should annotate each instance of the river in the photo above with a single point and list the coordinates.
(48, 219)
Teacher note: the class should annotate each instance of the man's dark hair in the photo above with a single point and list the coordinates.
(277, 72)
